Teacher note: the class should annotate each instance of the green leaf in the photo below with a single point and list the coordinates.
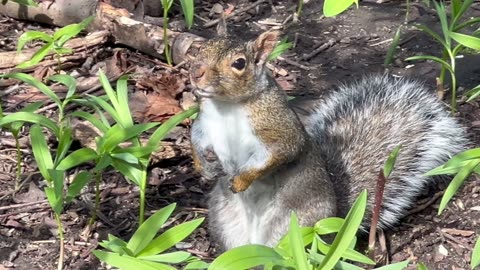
(395, 266)
(393, 47)
(433, 58)
(102, 163)
(40, 151)
(127, 157)
(421, 266)
(37, 56)
(457, 181)
(281, 48)
(442, 15)
(328, 225)
(132, 172)
(92, 119)
(196, 265)
(335, 7)
(319, 258)
(188, 11)
(246, 257)
(459, 11)
(26, 2)
(29, 36)
(307, 236)
(473, 93)
(476, 254)
(30, 118)
(166, 4)
(456, 162)
(129, 263)
(168, 125)
(16, 126)
(172, 257)
(147, 231)
(122, 102)
(66, 80)
(80, 181)
(466, 24)
(436, 36)
(106, 107)
(76, 158)
(296, 244)
(390, 163)
(137, 151)
(64, 142)
(56, 201)
(116, 245)
(347, 232)
(30, 80)
(170, 237)
(65, 33)
(466, 40)
(117, 135)
(349, 253)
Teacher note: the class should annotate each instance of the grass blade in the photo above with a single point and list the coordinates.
(476, 254)
(80, 181)
(466, 40)
(29, 36)
(347, 232)
(30, 80)
(457, 181)
(188, 11)
(169, 238)
(246, 257)
(163, 130)
(296, 244)
(147, 231)
(76, 158)
(40, 151)
(125, 262)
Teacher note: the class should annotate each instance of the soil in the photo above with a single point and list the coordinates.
(360, 39)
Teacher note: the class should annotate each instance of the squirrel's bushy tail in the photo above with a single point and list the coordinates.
(359, 125)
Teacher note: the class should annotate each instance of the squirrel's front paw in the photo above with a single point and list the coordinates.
(239, 184)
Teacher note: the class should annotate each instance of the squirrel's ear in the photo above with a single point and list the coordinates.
(264, 45)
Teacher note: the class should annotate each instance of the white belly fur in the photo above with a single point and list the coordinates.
(226, 127)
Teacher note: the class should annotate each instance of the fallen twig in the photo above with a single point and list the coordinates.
(214, 22)
(318, 50)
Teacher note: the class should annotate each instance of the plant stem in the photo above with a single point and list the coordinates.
(19, 164)
(165, 38)
(98, 177)
(143, 188)
(299, 8)
(454, 83)
(62, 244)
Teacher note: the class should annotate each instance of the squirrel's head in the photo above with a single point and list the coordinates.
(228, 70)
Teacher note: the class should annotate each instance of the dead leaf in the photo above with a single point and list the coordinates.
(34, 194)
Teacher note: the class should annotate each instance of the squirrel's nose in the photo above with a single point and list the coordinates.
(198, 71)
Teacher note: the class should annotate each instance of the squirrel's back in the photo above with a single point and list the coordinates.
(359, 125)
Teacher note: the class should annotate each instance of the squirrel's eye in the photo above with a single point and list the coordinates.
(239, 64)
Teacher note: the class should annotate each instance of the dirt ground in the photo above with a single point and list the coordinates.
(359, 40)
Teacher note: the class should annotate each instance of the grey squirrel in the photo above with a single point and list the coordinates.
(267, 163)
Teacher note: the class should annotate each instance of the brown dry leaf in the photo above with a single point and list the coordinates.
(159, 104)
(34, 194)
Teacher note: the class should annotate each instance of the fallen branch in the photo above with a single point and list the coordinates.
(138, 35)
